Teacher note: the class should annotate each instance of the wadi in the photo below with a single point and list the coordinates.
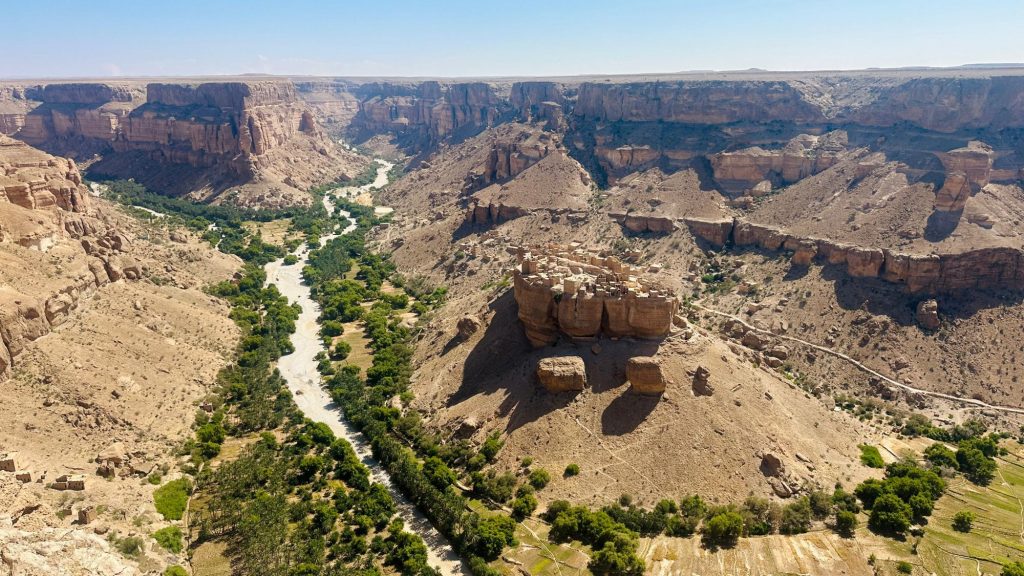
(740, 322)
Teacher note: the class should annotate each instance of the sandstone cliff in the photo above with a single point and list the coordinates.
(426, 113)
(982, 268)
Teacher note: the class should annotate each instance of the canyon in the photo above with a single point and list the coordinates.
(677, 284)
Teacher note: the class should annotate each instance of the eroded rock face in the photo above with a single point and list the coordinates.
(642, 223)
(562, 374)
(928, 314)
(645, 375)
(747, 170)
(509, 159)
(953, 195)
(43, 203)
(568, 290)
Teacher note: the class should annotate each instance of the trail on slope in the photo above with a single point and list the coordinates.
(971, 402)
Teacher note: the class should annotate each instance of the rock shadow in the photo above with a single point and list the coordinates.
(503, 362)
(627, 412)
(941, 224)
(872, 295)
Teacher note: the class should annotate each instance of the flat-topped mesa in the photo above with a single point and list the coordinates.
(746, 171)
(582, 294)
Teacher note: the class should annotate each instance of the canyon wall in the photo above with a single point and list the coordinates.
(182, 137)
(426, 113)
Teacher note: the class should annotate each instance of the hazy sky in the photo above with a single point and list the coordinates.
(59, 38)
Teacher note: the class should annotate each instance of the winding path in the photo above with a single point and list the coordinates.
(971, 402)
(299, 369)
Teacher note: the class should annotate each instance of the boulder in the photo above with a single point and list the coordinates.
(645, 375)
(562, 374)
(755, 340)
(928, 314)
(772, 466)
(701, 386)
(467, 326)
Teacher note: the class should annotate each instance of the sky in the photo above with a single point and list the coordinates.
(99, 38)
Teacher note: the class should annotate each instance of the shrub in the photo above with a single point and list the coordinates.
(169, 538)
(846, 523)
(870, 456)
(963, 521)
(539, 478)
(723, 529)
(171, 498)
(890, 515)
(130, 546)
(904, 567)
(175, 571)
(291, 260)
(796, 517)
(571, 470)
(1013, 569)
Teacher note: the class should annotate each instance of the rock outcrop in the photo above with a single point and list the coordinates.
(568, 290)
(467, 326)
(641, 223)
(509, 159)
(562, 374)
(59, 551)
(32, 179)
(953, 195)
(996, 267)
(701, 384)
(42, 204)
(645, 376)
(928, 314)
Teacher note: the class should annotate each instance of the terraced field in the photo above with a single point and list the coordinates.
(998, 533)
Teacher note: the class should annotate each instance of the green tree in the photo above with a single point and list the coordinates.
(1013, 569)
(890, 514)
(963, 521)
(523, 506)
(493, 534)
(940, 455)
